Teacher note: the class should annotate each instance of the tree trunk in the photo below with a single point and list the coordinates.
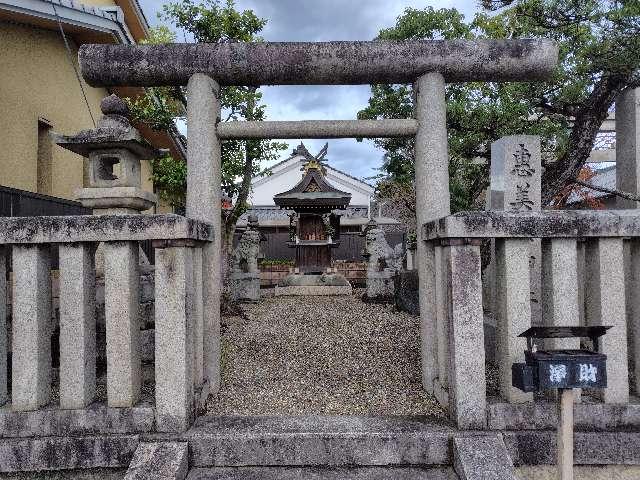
(243, 194)
(586, 126)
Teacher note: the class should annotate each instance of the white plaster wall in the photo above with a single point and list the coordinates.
(288, 174)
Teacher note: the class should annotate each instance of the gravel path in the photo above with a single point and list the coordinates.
(321, 355)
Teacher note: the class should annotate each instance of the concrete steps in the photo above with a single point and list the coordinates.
(342, 447)
(309, 441)
(319, 473)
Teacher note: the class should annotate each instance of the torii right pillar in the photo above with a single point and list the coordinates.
(628, 180)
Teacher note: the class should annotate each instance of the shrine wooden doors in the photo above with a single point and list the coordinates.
(314, 257)
(311, 227)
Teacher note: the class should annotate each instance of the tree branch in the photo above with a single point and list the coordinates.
(247, 170)
(611, 191)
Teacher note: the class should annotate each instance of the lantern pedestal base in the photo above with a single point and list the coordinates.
(116, 200)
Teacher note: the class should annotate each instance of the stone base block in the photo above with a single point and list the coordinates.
(544, 416)
(93, 420)
(245, 286)
(482, 458)
(166, 460)
(380, 286)
(321, 280)
(66, 453)
(590, 448)
(406, 292)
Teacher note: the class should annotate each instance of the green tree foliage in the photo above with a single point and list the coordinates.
(160, 106)
(170, 178)
(599, 42)
(210, 21)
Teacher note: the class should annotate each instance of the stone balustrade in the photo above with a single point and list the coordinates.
(179, 340)
(455, 364)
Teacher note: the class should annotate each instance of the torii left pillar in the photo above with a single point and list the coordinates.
(204, 203)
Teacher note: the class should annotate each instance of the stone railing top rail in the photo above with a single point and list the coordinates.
(328, 63)
(103, 228)
(544, 224)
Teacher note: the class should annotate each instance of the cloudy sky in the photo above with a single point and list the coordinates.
(322, 20)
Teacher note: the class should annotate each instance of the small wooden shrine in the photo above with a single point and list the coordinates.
(314, 230)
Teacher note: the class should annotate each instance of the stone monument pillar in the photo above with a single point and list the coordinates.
(513, 278)
(516, 185)
(245, 274)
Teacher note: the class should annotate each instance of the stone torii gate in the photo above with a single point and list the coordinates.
(428, 64)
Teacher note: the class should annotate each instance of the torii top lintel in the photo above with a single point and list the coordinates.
(321, 63)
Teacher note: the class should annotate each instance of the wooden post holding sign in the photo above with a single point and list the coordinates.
(563, 370)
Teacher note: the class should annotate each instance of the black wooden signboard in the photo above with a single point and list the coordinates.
(551, 369)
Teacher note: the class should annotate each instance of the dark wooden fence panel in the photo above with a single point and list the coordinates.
(350, 248)
(20, 203)
(275, 247)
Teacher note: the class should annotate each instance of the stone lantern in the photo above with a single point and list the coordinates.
(114, 149)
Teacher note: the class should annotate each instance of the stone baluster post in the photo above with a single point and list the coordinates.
(31, 358)
(121, 292)
(560, 288)
(3, 327)
(432, 202)
(198, 340)
(174, 352)
(605, 305)
(204, 203)
(440, 383)
(512, 310)
(628, 180)
(77, 325)
(467, 381)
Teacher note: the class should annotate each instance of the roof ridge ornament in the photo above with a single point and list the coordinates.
(317, 162)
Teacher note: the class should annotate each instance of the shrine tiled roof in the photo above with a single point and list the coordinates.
(313, 191)
(604, 177)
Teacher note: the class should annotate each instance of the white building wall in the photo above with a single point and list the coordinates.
(285, 176)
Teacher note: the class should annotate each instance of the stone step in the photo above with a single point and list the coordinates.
(236, 441)
(319, 473)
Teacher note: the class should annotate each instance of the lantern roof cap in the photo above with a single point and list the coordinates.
(113, 131)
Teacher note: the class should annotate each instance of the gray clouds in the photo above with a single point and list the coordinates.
(323, 20)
